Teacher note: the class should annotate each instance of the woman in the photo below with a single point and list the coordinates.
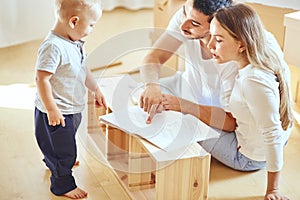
(260, 99)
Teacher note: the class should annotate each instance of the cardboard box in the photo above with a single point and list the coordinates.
(295, 85)
(292, 39)
(272, 18)
(163, 11)
(291, 51)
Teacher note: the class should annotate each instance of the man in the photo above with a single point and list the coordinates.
(203, 83)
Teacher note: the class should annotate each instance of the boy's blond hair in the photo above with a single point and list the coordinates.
(65, 9)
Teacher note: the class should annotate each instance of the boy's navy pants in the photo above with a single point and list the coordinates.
(58, 146)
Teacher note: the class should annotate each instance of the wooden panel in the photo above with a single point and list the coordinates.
(190, 175)
(93, 113)
(117, 143)
(141, 166)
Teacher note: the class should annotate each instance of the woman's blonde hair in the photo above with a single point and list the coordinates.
(244, 25)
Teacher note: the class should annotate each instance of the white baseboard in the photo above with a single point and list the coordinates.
(129, 4)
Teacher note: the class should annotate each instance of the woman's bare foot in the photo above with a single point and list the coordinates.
(77, 193)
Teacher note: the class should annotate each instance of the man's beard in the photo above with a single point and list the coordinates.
(197, 37)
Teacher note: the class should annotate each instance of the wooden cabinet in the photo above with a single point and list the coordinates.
(163, 11)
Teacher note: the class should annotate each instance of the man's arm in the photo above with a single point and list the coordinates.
(210, 115)
(214, 117)
(162, 50)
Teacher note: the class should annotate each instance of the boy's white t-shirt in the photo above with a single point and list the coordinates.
(66, 61)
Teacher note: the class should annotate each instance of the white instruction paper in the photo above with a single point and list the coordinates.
(168, 130)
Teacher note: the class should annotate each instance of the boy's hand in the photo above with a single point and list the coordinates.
(56, 118)
(99, 99)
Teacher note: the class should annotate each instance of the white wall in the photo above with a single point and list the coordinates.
(292, 4)
(130, 4)
(26, 20)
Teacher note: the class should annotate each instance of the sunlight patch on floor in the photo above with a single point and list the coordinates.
(19, 96)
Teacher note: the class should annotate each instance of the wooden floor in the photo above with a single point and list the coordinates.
(24, 176)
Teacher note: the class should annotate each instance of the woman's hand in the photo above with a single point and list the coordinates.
(275, 195)
(171, 102)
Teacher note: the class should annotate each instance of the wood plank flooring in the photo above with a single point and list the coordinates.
(24, 176)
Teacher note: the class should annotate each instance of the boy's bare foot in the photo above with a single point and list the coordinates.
(77, 193)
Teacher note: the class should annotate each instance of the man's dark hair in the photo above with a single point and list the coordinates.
(209, 7)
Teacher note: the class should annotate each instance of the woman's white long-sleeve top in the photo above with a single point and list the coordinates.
(254, 102)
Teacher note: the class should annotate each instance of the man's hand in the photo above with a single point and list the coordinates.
(151, 100)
